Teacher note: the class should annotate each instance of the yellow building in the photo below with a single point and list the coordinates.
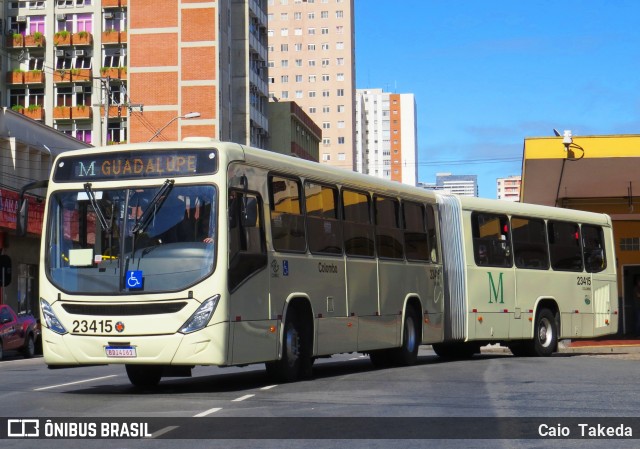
(597, 174)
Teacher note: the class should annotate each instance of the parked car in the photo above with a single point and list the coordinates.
(18, 332)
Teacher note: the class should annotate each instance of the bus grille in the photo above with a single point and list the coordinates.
(124, 309)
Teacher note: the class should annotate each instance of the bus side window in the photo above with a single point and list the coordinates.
(247, 249)
(593, 248)
(358, 230)
(564, 246)
(323, 227)
(415, 232)
(432, 234)
(491, 245)
(529, 243)
(287, 221)
(389, 242)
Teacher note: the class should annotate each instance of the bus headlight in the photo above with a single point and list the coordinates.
(200, 317)
(50, 318)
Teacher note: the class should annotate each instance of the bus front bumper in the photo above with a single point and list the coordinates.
(205, 347)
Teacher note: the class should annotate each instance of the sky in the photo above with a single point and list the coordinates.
(486, 74)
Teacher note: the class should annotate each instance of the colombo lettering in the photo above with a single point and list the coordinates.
(327, 268)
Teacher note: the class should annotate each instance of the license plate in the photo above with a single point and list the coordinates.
(121, 351)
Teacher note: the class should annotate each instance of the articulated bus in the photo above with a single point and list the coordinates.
(162, 257)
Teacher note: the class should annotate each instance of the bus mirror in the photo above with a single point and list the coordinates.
(249, 213)
(5, 270)
(22, 217)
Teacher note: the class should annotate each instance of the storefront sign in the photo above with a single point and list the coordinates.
(9, 205)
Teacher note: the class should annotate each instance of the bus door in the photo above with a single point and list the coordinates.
(492, 303)
(601, 289)
(531, 259)
(361, 268)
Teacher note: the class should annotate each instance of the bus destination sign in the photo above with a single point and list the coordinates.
(133, 165)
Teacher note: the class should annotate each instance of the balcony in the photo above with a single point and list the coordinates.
(62, 113)
(114, 72)
(34, 40)
(115, 111)
(33, 111)
(82, 38)
(62, 76)
(81, 112)
(15, 77)
(15, 41)
(34, 77)
(62, 38)
(110, 37)
(80, 75)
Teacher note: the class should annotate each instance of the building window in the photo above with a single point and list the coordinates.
(326, 141)
(284, 79)
(284, 32)
(326, 157)
(285, 94)
(298, 62)
(311, 31)
(342, 157)
(270, 33)
(312, 109)
(284, 63)
(340, 61)
(297, 32)
(312, 94)
(341, 140)
(340, 92)
(298, 94)
(311, 15)
(326, 109)
(297, 47)
(339, 45)
(339, 14)
(325, 77)
(298, 78)
(339, 29)
(325, 46)
(340, 108)
(311, 47)
(325, 63)
(324, 14)
(284, 16)
(312, 63)
(326, 125)
(297, 16)
(325, 93)
(312, 78)
(284, 47)
(271, 64)
(324, 31)
(340, 124)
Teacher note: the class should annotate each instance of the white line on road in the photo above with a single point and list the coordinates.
(208, 412)
(74, 383)
(163, 431)
(268, 387)
(242, 398)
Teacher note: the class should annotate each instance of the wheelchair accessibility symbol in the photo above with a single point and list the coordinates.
(134, 280)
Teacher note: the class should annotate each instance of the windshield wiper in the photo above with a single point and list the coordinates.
(96, 207)
(154, 205)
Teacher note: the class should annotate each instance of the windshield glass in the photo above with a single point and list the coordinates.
(172, 248)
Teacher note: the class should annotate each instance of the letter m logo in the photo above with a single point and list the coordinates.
(87, 171)
(496, 294)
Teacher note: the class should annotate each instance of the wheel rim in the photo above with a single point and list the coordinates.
(293, 346)
(545, 332)
(410, 329)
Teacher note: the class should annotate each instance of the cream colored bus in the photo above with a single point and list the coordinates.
(165, 256)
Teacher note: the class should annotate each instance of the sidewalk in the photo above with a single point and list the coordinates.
(615, 345)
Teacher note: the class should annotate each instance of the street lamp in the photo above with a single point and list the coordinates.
(187, 116)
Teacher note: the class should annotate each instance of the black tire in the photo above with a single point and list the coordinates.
(545, 334)
(144, 376)
(407, 354)
(456, 351)
(296, 362)
(521, 348)
(381, 358)
(29, 348)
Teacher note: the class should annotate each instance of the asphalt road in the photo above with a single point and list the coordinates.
(489, 386)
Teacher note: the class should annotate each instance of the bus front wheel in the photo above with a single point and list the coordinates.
(144, 376)
(296, 361)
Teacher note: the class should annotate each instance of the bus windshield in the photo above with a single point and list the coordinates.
(131, 240)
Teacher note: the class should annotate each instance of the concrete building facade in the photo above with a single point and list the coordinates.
(386, 135)
(293, 132)
(509, 188)
(150, 63)
(312, 61)
(465, 185)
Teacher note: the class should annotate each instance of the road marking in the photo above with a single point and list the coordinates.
(242, 398)
(163, 431)
(74, 383)
(208, 412)
(268, 387)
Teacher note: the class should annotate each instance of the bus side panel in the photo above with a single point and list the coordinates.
(531, 285)
(433, 305)
(254, 341)
(362, 298)
(492, 294)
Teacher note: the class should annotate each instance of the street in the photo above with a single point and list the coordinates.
(490, 385)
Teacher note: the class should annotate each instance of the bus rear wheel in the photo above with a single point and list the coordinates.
(144, 376)
(407, 354)
(545, 334)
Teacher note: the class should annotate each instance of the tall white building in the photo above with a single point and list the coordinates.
(464, 185)
(509, 188)
(386, 136)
